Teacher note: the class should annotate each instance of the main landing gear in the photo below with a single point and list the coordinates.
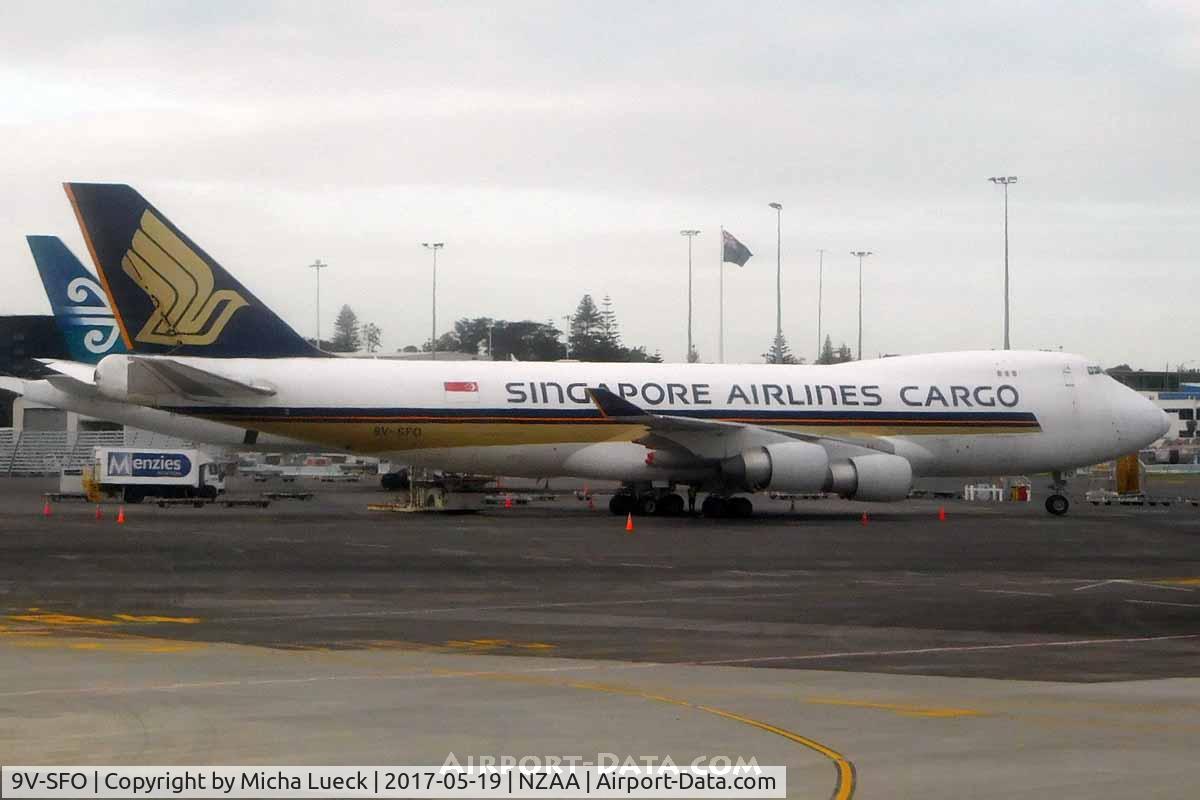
(1057, 503)
(666, 503)
(647, 504)
(729, 507)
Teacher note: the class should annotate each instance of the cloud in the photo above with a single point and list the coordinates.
(558, 148)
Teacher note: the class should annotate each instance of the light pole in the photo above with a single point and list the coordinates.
(1005, 181)
(778, 272)
(316, 267)
(690, 234)
(820, 281)
(861, 254)
(434, 246)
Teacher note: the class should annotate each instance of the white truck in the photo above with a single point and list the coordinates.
(137, 473)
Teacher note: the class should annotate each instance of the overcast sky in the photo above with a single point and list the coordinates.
(558, 148)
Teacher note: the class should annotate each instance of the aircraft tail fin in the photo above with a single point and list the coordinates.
(169, 295)
(81, 308)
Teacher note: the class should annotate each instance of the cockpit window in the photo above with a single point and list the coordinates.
(1094, 370)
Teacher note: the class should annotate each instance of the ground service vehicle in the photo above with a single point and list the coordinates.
(135, 474)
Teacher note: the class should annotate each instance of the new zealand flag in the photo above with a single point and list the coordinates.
(734, 251)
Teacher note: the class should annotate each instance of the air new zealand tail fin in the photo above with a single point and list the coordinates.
(168, 294)
(81, 309)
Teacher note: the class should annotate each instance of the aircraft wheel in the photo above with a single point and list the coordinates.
(1057, 504)
(670, 505)
(648, 505)
(621, 504)
(739, 507)
(713, 506)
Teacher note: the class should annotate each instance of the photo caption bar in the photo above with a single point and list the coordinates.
(391, 782)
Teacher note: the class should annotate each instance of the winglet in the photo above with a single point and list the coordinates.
(612, 406)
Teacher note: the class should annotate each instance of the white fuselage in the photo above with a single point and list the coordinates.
(181, 426)
(970, 413)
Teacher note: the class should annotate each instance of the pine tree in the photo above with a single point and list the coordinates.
(587, 326)
(346, 336)
(610, 333)
(826, 356)
(371, 336)
(780, 353)
(595, 335)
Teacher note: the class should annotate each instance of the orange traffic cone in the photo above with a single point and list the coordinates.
(865, 518)
(942, 514)
(629, 523)
(46, 509)
(508, 501)
(121, 515)
(99, 513)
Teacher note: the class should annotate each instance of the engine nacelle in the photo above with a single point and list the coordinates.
(787, 467)
(805, 467)
(879, 477)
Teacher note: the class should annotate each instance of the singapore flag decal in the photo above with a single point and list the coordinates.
(461, 391)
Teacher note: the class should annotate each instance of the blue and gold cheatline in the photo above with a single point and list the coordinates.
(386, 429)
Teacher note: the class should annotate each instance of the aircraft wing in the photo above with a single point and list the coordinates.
(165, 376)
(72, 377)
(716, 438)
(14, 385)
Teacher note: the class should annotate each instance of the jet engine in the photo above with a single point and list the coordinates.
(787, 467)
(805, 467)
(879, 477)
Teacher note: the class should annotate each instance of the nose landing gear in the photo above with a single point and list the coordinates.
(1057, 503)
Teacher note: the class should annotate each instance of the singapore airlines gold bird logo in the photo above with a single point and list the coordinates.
(180, 283)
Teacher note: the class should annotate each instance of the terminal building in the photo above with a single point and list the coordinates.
(1176, 392)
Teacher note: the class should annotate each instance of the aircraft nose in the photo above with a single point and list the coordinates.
(1149, 422)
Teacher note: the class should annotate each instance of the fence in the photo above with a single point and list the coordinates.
(47, 452)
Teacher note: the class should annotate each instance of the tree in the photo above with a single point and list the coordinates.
(780, 353)
(826, 356)
(596, 336)
(831, 356)
(346, 336)
(371, 336)
(527, 341)
(410, 348)
(587, 340)
(638, 355)
(447, 343)
(610, 332)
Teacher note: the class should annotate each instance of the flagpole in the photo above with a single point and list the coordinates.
(721, 293)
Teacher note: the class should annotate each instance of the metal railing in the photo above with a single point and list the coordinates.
(24, 452)
(47, 452)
